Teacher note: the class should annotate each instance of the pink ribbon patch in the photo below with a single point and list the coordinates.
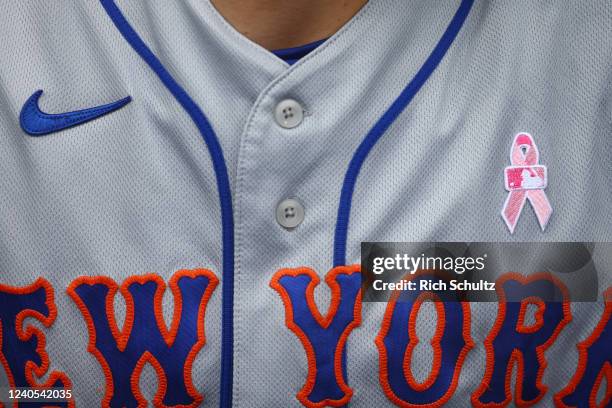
(525, 180)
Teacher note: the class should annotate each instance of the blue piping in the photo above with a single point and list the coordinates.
(378, 130)
(221, 174)
(223, 186)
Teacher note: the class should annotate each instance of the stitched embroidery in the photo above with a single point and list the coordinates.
(23, 350)
(525, 180)
(512, 342)
(145, 337)
(594, 364)
(37, 123)
(323, 338)
(398, 338)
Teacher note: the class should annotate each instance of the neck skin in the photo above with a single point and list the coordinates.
(277, 24)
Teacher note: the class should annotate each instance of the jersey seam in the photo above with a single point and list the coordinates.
(240, 173)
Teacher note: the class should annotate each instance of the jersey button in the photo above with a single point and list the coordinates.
(289, 213)
(289, 113)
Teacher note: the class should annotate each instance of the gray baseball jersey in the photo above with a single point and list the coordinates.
(180, 209)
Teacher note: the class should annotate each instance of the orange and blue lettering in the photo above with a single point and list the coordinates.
(145, 337)
(512, 341)
(398, 338)
(323, 338)
(594, 364)
(22, 349)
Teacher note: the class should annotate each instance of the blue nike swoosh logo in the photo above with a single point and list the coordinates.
(38, 123)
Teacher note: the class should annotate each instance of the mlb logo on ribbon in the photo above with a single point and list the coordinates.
(525, 180)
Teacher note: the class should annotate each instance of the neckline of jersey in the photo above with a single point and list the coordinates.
(292, 55)
(220, 167)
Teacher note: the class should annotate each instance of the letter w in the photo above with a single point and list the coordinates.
(145, 337)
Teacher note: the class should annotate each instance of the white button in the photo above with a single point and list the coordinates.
(289, 113)
(289, 213)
